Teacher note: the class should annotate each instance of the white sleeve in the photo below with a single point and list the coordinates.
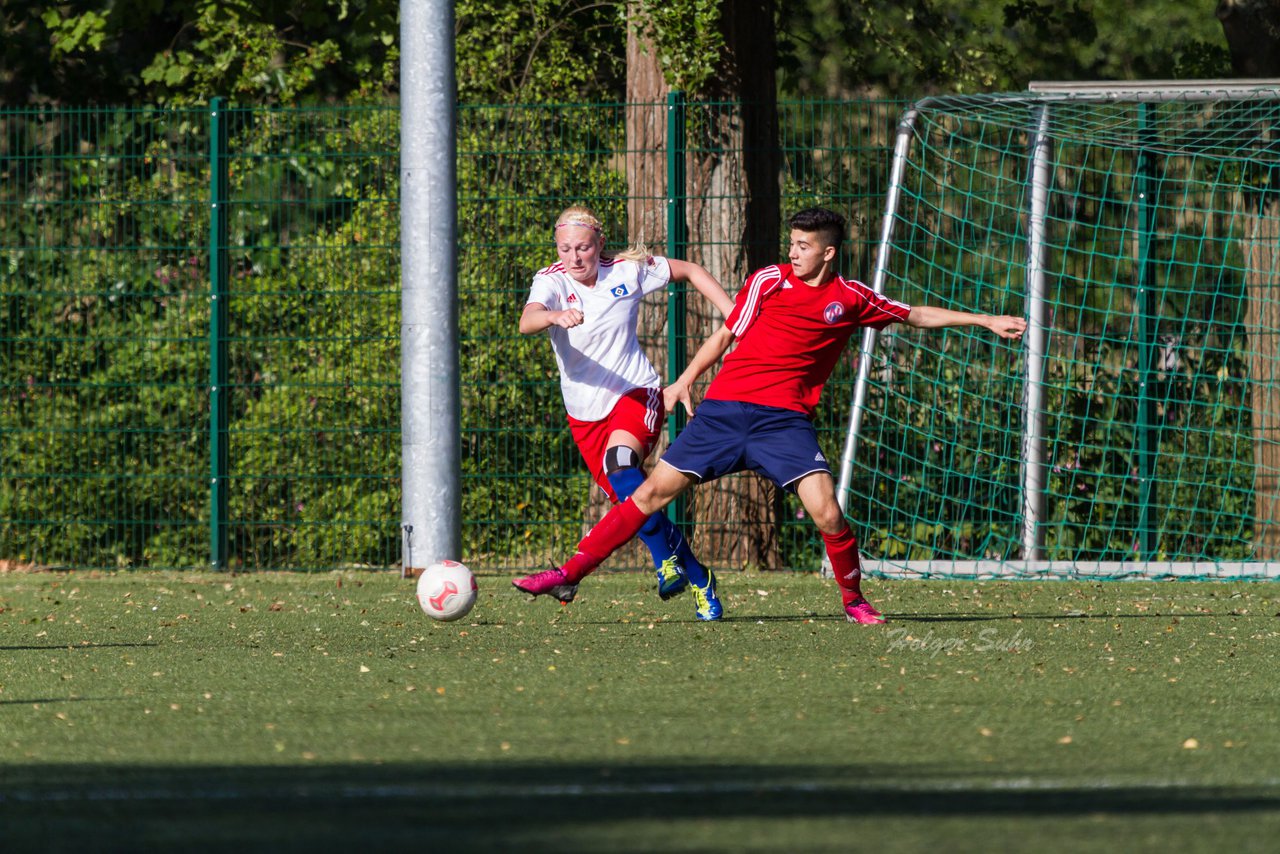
(655, 273)
(545, 292)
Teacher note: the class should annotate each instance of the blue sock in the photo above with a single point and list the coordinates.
(659, 534)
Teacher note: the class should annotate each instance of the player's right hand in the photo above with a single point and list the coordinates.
(568, 318)
(675, 393)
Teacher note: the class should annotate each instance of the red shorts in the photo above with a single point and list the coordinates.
(639, 412)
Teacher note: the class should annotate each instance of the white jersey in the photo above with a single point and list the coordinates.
(601, 359)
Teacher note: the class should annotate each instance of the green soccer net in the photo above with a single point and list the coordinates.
(1133, 431)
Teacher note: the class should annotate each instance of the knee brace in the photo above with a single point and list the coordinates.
(620, 457)
(622, 468)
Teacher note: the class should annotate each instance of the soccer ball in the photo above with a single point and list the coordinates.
(446, 590)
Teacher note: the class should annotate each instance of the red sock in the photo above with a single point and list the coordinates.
(842, 549)
(619, 525)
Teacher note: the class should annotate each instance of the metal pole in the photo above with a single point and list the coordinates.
(219, 419)
(430, 398)
(906, 127)
(1148, 423)
(677, 247)
(1037, 337)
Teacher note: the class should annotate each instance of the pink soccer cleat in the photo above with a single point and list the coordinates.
(550, 582)
(860, 611)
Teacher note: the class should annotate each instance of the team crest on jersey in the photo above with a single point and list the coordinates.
(619, 291)
(833, 312)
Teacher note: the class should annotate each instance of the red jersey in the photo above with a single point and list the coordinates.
(790, 336)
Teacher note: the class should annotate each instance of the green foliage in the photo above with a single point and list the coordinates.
(240, 56)
(837, 47)
(282, 52)
(543, 50)
(82, 32)
(186, 51)
(687, 37)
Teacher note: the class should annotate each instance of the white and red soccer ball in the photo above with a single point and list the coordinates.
(446, 590)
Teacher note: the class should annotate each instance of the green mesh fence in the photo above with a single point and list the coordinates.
(1143, 438)
(141, 428)
(103, 325)
(121, 228)
(106, 338)
(313, 338)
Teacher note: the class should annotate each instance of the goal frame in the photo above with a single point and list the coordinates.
(1041, 96)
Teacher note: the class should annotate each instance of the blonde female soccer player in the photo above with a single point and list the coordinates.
(590, 303)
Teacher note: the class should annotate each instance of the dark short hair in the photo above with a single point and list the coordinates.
(828, 224)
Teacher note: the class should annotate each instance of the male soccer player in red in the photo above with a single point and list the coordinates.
(792, 322)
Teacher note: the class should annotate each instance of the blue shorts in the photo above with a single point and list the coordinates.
(726, 436)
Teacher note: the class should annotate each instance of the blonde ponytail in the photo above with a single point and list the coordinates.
(637, 252)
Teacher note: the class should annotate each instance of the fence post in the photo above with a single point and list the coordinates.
(677, 247)
(218, 391)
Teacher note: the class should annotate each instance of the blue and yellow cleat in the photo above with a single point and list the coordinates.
(709, 607)
(671, 579)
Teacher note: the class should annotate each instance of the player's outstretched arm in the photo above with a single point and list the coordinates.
(705, 283)
(931, 317)
(708, 354)
(537, 317)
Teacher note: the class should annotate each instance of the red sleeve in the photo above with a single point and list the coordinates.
(877, 310)
(747, 303)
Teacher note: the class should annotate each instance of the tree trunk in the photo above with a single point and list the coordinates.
(734, 166)
(646, 166)
(1252, 28)
(734, 227)
(646, 170)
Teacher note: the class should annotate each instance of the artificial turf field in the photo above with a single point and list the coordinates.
(320, 712)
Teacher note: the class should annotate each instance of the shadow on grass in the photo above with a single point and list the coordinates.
(72, 646)
(899, 618)
(531, 808)
(978, 618)
(43, 701)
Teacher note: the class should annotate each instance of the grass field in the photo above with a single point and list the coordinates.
(325, 712)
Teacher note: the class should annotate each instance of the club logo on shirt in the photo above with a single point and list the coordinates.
(833, 312)
(619, 291)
